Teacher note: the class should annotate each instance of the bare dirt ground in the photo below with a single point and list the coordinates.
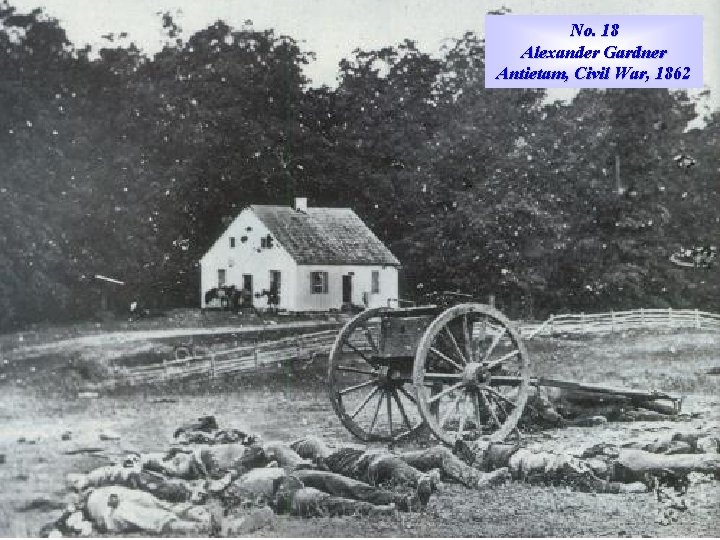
(37, 408)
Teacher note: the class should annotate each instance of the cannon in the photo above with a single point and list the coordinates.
(460, 371)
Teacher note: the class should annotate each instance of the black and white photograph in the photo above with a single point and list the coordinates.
(291, 268)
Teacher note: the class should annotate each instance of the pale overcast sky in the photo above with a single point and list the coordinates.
(333, 28)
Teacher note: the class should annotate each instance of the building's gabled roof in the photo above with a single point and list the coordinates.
(324, 236)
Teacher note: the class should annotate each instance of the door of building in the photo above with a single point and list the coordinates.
(347, 289)
(275, 284)
(247, 284)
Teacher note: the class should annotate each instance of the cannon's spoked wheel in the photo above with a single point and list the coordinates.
(471, 375)
(372, 398)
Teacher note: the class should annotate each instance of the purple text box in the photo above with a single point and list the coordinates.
(570, 51)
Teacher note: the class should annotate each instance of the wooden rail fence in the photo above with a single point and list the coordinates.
(200, 361)
(203, 362)
(621, 321)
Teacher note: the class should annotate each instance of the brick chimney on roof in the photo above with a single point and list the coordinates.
(301, 204)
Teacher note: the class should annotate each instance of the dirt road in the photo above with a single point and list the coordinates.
(65, 346)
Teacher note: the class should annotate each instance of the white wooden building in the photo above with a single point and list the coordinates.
(318, 258)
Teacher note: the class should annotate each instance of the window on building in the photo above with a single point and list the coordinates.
(232, 241)
(375, 282)
(266, 242)
(318, 282)
(222, 276)
(275, 280)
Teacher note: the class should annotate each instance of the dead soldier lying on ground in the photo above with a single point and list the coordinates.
(664, 467)
(419, 469)
(153, 492)
(549, 406)
(308, 478)
(609, 468)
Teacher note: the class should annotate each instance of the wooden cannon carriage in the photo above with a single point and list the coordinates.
(462, 371)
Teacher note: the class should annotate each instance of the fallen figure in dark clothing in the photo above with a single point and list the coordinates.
(219, 484)
(584, 405)
(164, 492)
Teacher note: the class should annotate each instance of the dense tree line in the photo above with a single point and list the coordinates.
(128, 165)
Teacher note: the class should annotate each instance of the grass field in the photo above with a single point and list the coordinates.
(38, 406)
